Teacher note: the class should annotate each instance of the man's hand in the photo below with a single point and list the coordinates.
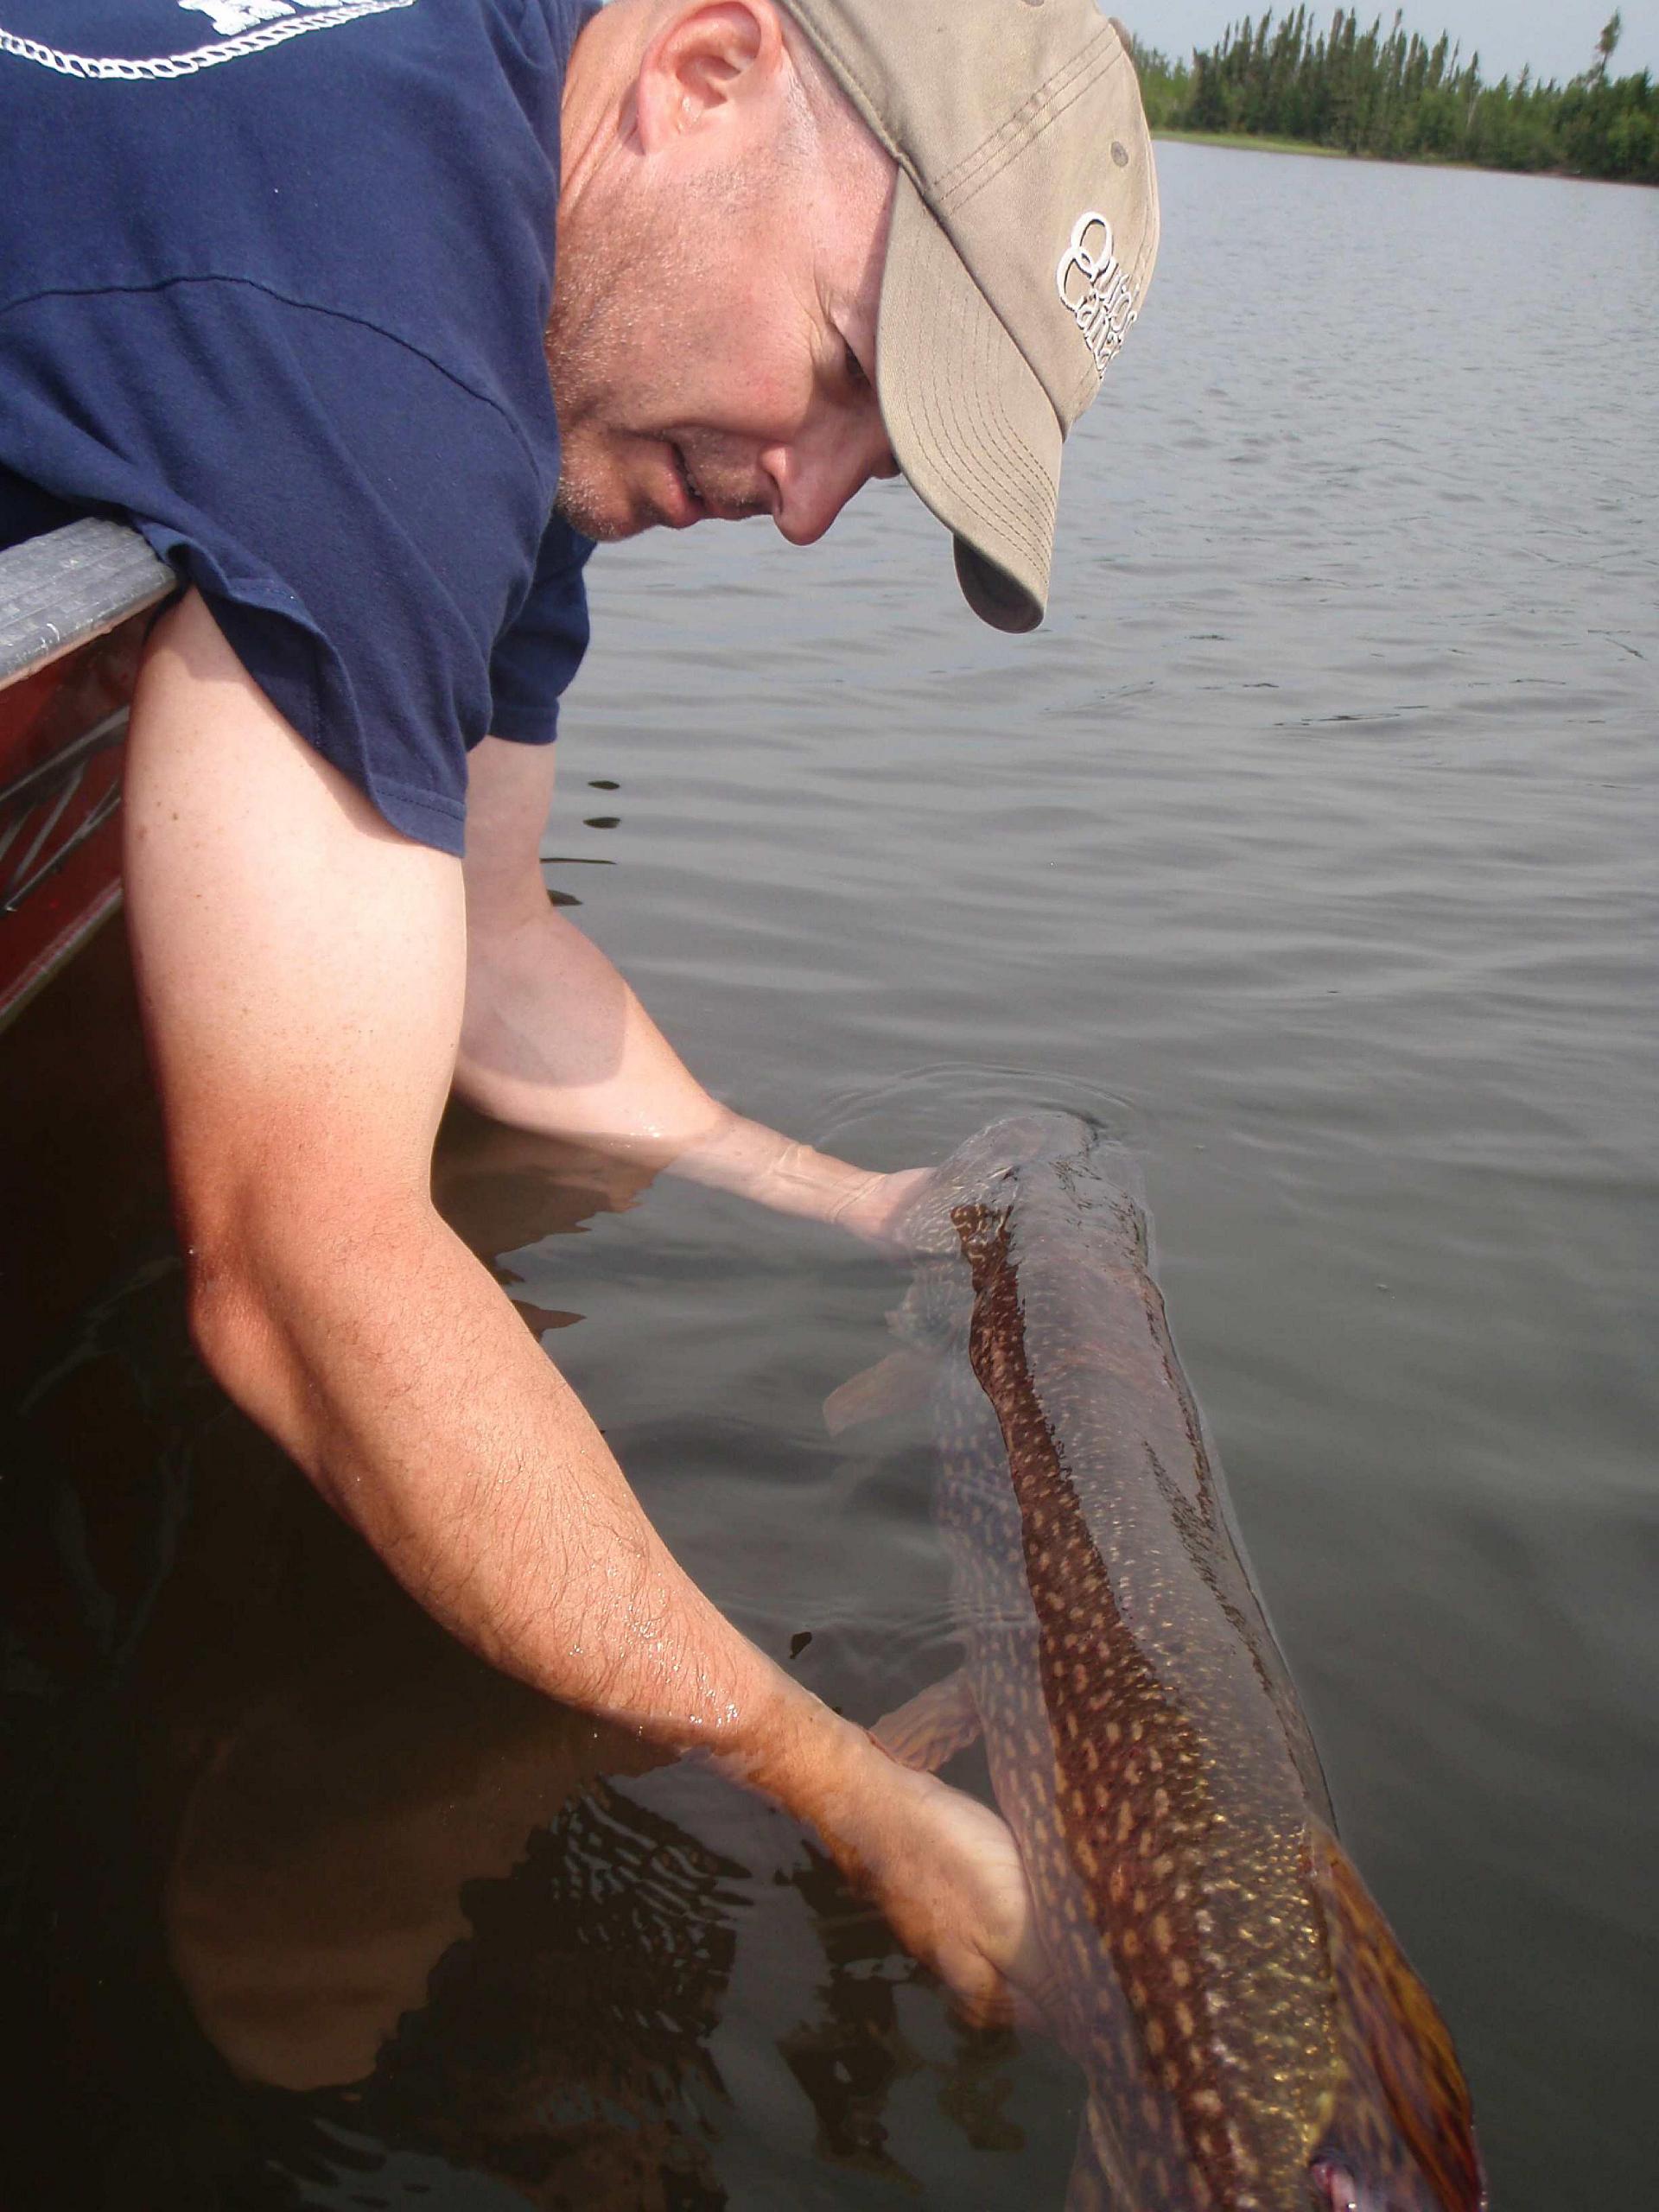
(944, 1869)
(302, 970)
(875, 1212)
(947, 1874)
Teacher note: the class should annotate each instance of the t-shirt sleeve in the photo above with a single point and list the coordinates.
(361, 522)
(540, 650)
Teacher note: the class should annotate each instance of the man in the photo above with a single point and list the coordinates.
(282, 290)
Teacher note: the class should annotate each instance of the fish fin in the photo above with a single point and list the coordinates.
(1395, 2035)
(894, 1385)
(1090, 2189)
(931, 1727)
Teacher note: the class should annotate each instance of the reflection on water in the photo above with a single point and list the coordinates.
(1309, 851)
(308, 1907)
(564, 2047)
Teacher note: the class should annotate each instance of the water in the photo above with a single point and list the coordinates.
(1309, 847)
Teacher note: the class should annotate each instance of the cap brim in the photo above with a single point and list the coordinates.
(970, 424)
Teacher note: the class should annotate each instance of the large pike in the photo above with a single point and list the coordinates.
(1253, 2037)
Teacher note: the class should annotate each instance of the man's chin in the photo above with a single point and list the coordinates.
(600, 519)
(604, 505)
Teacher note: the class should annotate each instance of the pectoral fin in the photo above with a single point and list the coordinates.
(1090, 2189)
(894, 1385)
(931, 1727)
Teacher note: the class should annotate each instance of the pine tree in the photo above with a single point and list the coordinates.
(1392, 93)
(1607, 45)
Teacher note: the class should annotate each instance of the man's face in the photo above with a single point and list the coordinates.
(712, 337)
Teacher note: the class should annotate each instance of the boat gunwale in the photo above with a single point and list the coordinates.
(69, 586)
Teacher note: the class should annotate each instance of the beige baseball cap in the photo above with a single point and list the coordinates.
(1024, 232)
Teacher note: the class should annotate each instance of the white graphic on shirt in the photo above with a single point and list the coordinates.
(246, 27)
(228, 17)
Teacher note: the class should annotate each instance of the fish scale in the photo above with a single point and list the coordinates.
(1252, 2037)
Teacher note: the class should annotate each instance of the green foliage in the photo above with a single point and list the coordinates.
(1607, 45)
(1389, 93)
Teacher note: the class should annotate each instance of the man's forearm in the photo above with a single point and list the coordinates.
(555, 1040)
(432, 1420)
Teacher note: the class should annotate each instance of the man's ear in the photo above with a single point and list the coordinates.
(703, 65)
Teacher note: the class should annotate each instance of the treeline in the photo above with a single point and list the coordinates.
(1392, 94)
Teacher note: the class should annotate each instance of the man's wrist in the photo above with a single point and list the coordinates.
(807, 1758)
(758, 1163)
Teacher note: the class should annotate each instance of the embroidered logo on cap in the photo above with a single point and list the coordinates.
(1094, 288)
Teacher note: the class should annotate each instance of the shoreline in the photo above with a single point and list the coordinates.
(1264, 145)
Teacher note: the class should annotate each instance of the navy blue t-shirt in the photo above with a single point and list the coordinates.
(274, 278)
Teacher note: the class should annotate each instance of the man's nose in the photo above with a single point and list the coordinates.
(813, 477)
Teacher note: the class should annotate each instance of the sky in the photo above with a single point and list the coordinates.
(1558, 37)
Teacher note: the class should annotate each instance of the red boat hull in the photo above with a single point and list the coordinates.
(75, 606)
(61, 734)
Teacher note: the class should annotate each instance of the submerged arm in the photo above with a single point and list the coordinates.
(553, 1039)
(302, 970)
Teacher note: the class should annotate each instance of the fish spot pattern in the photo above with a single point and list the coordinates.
(1173, 1794)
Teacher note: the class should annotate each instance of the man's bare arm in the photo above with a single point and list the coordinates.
(302, 970)
(553, 1039)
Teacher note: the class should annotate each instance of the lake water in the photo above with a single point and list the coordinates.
(1310, 848)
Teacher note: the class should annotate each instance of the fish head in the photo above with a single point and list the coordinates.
(975, 1173)
(959, 1210)
(1399, 2134)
